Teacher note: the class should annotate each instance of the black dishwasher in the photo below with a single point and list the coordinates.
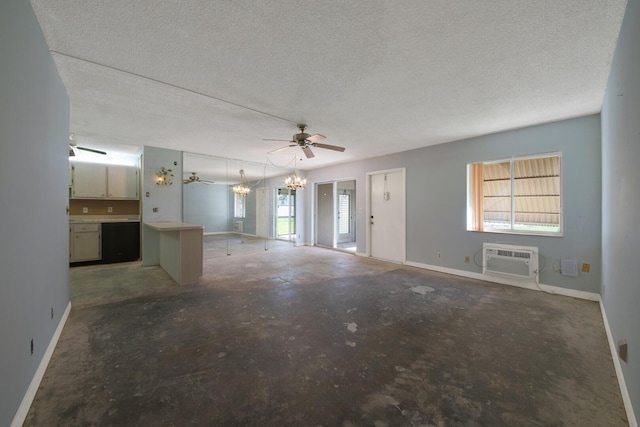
(120, 242)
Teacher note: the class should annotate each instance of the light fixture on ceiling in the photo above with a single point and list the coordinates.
(293, 181)
(242, 188)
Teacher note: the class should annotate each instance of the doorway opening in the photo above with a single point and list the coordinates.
(335, 215)
(346, 210)
(285, 217)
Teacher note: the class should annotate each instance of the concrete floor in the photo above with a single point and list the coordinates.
(313, 337)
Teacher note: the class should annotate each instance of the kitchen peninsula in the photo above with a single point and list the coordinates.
(180, 249)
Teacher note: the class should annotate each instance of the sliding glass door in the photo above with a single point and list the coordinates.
(285, 214)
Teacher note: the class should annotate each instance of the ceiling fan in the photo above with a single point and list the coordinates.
(195, 178)
(305, 141)
(72, 145)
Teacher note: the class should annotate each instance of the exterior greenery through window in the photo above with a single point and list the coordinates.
(239, 205)
(517, 195)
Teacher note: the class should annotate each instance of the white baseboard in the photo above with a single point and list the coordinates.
(503, 281)
(633, 422)
(27, 400)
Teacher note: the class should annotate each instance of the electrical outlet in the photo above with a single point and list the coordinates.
(438, 255)
(52, 313)
(622, 349)
(155, 209)
(109, 209)
(85, 210)
(466, 259)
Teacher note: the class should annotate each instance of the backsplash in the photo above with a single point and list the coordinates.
(101, 207)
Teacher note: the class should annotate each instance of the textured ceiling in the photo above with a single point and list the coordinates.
(215, 77)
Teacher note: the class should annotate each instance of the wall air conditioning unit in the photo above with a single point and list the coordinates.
(508, 261)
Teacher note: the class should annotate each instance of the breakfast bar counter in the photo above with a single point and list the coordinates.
(180, 249)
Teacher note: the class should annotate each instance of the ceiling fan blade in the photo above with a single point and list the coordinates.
(308, 152)
(91, 150)
(281, 140)
(316, 137)
(280, 149)
(329, 147)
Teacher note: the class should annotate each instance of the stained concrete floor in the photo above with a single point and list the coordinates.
(313, 337)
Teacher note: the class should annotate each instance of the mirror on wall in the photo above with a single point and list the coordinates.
(234, 200)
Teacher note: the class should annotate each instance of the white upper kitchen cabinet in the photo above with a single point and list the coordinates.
(89, 181)
(122, 182)
(98, 181)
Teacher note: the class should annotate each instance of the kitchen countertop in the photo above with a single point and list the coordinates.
(103, 218)
(172, 226)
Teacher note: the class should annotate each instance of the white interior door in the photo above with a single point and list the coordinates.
(387, 215)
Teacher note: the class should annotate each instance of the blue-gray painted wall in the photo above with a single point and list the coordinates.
(34, 179)
(621, 198)
(437, 196)
(207, 205)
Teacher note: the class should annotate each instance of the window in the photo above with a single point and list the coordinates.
(239, 205)
(518, 195)
(344, 213)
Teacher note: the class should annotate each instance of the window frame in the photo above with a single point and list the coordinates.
(239, 204)
(511, 160)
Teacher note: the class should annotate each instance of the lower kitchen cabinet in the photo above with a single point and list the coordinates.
(84, 242)
(120, 242)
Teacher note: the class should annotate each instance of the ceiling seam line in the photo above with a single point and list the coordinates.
(170, 85)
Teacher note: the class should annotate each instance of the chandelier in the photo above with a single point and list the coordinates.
(294, 182)
(242, 188)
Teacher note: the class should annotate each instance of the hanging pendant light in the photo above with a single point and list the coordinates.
(242, 188)
(293, 181)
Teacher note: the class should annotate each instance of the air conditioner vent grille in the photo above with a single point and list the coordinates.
(514, 262)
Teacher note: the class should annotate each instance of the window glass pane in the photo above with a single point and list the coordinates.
(344, 215)
(515, 195)
(537, 194)
(238, 206)
(496, 190)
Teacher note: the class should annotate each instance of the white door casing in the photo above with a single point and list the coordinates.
(386, 215)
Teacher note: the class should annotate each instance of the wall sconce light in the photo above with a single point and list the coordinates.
(164, 176)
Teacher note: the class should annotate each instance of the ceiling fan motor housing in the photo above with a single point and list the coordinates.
(301, 138)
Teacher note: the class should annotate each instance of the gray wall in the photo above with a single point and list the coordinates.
(437, 191)
(207, 205)
(166, 198)
(213, 206)
(34, 256)
(621, 197)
